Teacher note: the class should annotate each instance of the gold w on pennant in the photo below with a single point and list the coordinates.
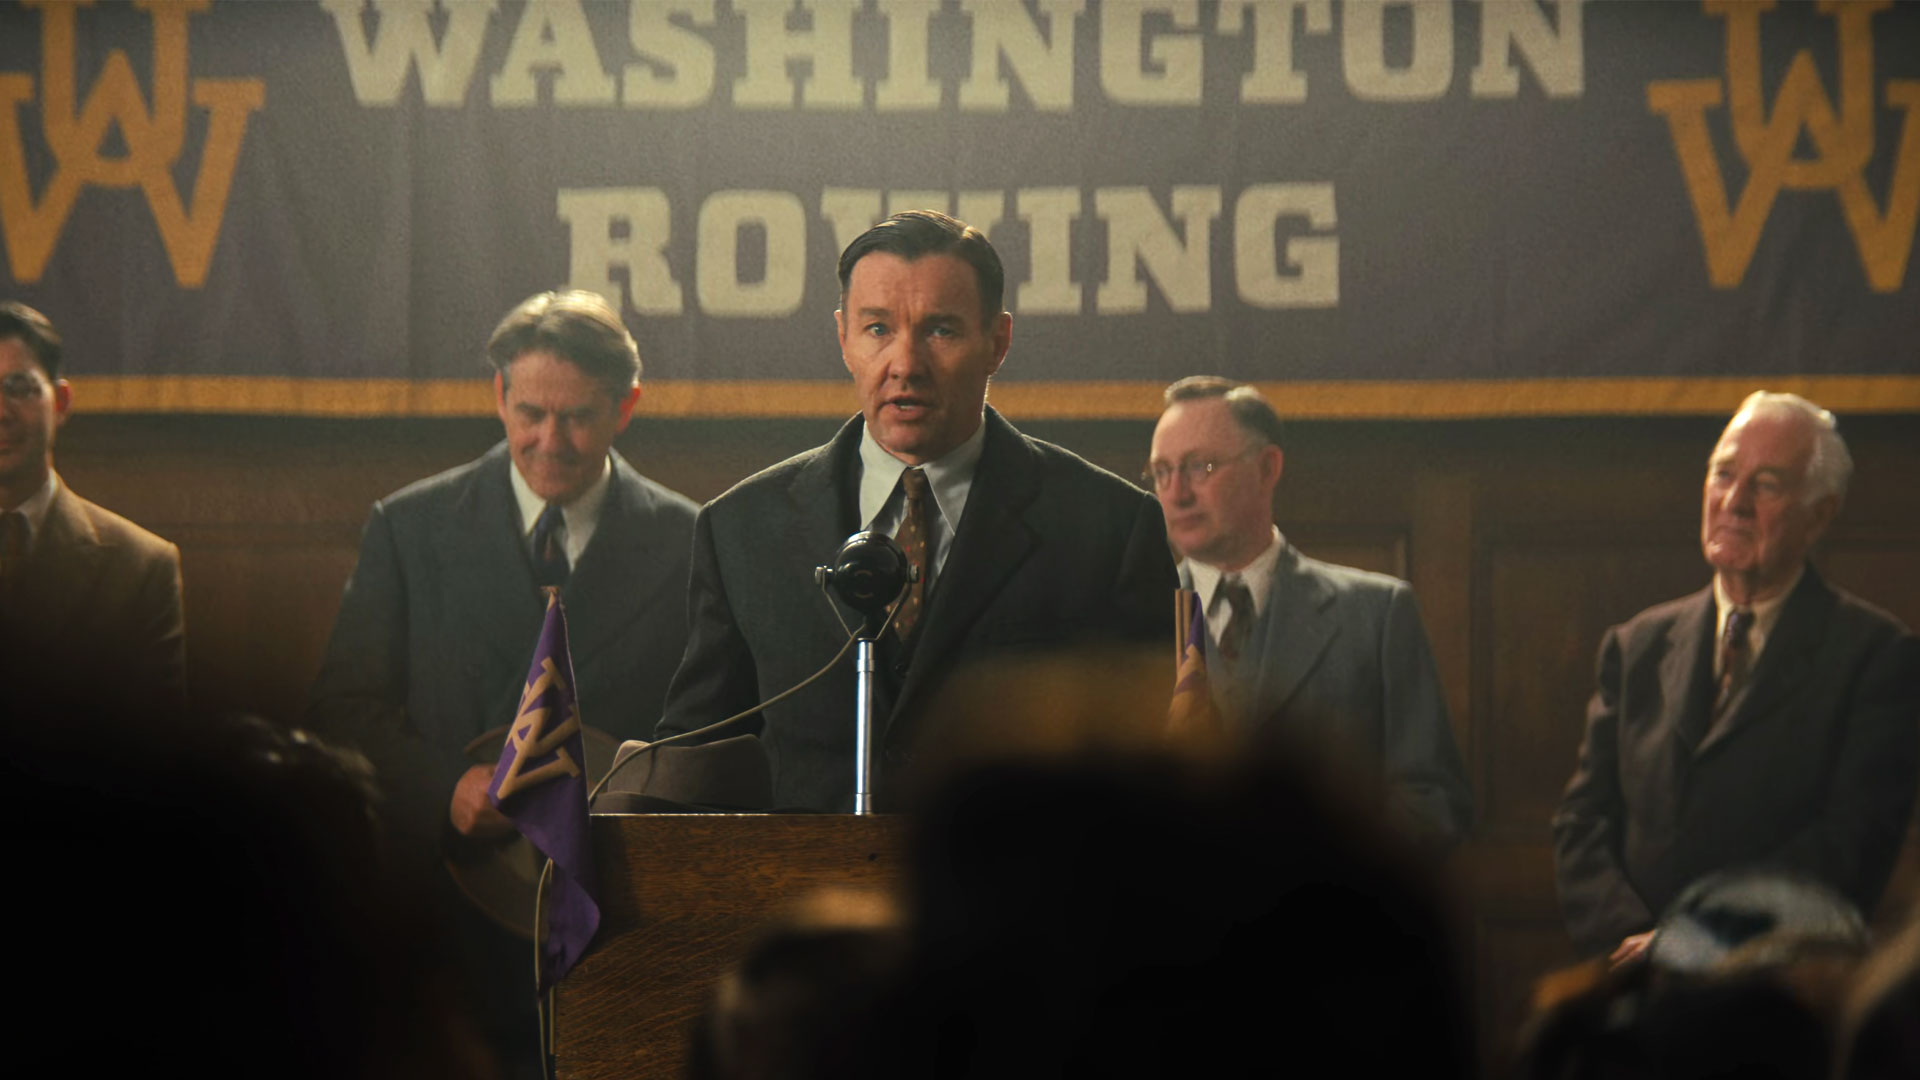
(1766, 138)
(532, 738)
(153, 130)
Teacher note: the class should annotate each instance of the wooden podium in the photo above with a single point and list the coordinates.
(682, 897)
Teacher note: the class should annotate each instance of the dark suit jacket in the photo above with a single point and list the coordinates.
(1813, 773)
(441, 615)
(1051, 550)
(1340, 662)
(96, 621)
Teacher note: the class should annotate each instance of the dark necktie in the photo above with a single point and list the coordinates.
(549, 550)
(1735, 659)
(912, 538)
(13, 548)
(1240, 618)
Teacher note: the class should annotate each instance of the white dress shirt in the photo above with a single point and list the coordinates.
(949, 479)
(581, 516)
(1258, 576)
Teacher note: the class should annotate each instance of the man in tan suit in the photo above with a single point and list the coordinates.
(90, 615)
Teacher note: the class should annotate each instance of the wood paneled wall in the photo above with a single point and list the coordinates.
(1524, 541)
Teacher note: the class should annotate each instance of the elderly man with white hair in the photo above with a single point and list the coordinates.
(1768, 721)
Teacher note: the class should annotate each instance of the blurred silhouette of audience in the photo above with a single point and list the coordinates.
(1084, 899)
(1751, 974)
(217, 899)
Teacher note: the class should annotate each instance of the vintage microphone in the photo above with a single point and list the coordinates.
(868, 574)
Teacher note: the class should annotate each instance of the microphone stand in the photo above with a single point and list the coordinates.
(869, 574)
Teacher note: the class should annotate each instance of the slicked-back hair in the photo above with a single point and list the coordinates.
(578, 326)
(1245, 403)
(914, 233)
(1831, 467)
(18, 322)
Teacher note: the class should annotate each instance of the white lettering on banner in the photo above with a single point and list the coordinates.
(591, 215)
(680, 69)
(1255, 271)
(624, 233)
(1507, 28)
(907, 85)
(1043, 58)
(850, 211)
(771, 48)
(799, 54)
(1175, 56)
(1363, 51)
(1139, 237)
(402, 41)
(1049, 288)
(553, 36)
(1274, 79)
(781, 219)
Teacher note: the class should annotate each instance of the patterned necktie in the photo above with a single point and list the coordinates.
(1240, 618)
(912, 538)
(1735, 659)
(13, 548)
(549, 550)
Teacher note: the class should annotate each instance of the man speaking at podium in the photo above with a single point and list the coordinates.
(1022, 545)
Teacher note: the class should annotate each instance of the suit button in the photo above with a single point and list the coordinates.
(900, 667)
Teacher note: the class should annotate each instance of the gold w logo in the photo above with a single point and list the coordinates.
(153, 137)
(1843, 140)
(532, 739)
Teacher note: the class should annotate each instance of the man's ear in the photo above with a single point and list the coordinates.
(1002, 333)
(1824, 510)
(62, 401)
(500, 394)
(625, 406)
(1273, 461)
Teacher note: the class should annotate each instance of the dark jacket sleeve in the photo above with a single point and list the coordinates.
(717, 677)
(1600, 905)
(157, 623)
(1854, 841)
(1143, 593)
(360, 696)
(1426, 781)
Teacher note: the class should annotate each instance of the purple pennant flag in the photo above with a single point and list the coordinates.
(1192, 705)
(541, 783)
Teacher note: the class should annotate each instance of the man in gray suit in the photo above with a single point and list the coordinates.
(1023, 546)
(1767, 721)
(1324, 657)
(443, 609)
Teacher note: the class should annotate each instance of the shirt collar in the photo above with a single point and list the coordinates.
(1258, 575)
(581, 515)
(949, 476)
(36, 507)
(1766, 613)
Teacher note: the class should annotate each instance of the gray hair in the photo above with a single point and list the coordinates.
(1245, 403)
(1831, 466)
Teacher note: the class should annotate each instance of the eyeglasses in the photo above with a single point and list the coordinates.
(25, 387)
(1159, 475)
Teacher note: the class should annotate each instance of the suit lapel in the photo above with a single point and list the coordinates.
(624, 565)
(1686, 671)
(1786, 663)
(992, 541)
(65, 558)
(1298, 627)
(825, 512)
(480, 541)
